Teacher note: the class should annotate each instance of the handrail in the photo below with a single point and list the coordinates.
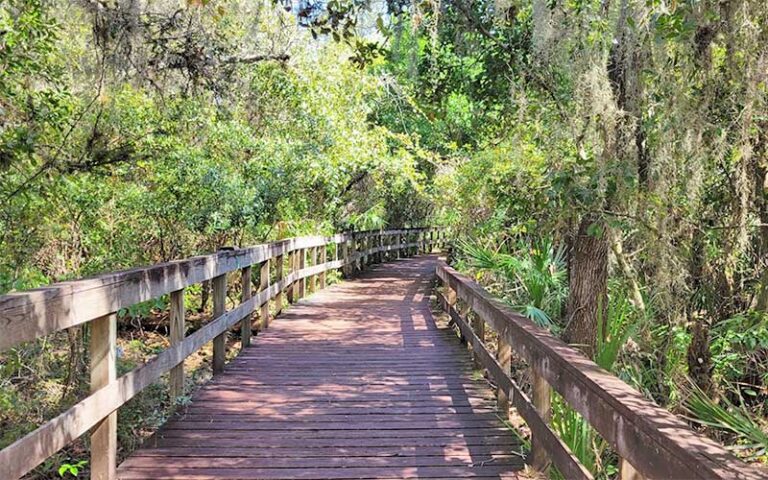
(29, 315)
(651, 441)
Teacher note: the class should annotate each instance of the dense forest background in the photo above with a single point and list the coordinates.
(603, 165)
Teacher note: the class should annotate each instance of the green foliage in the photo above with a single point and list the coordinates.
(729, 417)
(68, 469)
(532, 278)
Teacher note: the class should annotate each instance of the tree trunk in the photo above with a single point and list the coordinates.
(698, 355)
(588, 274)
(761, 200)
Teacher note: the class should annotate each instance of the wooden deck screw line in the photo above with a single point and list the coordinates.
(264, 285)
(219, 286)
(177, 312)
(103, 372)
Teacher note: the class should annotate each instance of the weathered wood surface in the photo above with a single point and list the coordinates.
(655, 442)
(356, 381)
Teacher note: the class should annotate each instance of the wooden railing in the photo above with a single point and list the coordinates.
(298, 265)
(651, 442)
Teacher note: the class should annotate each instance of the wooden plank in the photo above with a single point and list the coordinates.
(219, 287)
(177, 331)
(246, 293)
(652, 439)
(104, 372)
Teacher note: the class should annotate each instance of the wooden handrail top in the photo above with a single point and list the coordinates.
(653, 440)
(28, 315)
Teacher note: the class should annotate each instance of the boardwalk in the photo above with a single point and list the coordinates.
(356, 381)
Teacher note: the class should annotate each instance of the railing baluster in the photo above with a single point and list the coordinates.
(176, 379)
(219, 285)
(245, 295)
(263, 285)
(103, 372)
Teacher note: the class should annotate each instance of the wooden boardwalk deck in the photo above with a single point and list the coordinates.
(356, 381)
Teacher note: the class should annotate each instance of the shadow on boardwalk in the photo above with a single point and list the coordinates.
(356, 381)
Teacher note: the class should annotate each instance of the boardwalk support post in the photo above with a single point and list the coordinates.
(245, 325)
(176, 379)
(103, 372)
(219, 307)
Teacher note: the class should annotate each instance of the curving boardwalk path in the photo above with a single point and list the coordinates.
(356, 381)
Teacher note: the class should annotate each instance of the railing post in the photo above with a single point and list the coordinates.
(219, 285)
(346, 268)
(364, 252)
(542, 401)
(264, 285)
(291, 270)
(279, 277)
(478, 326)
(103, 372)
(313, 262)
(323, 261)
(302, 263)
(504, 356)
(176, 378)
(245, 324)
(628, 472)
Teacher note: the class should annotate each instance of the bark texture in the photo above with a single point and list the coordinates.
(588, 274)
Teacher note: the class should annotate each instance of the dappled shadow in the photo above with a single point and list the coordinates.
(356, 380)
